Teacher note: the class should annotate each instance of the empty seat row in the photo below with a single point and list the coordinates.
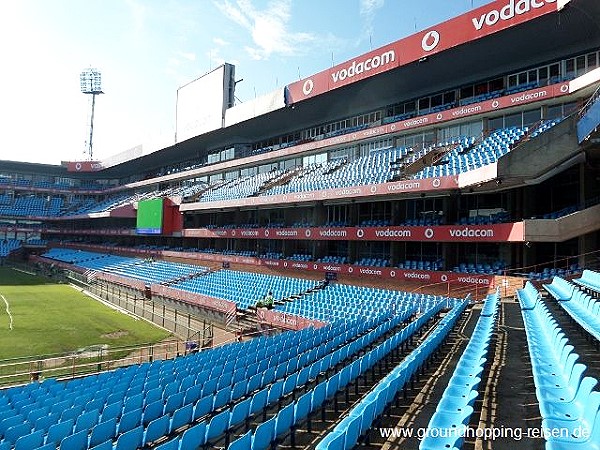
(589, 279)
(567, 399)
(361, 417)
(453, 412)
(582, 307)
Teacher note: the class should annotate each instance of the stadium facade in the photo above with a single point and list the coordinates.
(460, 154)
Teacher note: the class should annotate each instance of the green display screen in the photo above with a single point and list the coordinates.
(150, 216)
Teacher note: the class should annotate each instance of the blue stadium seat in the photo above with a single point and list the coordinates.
(29, 441)
(264, 435)
(181, 417)
(193, 437)
(130, 439)
(217, 426)
(77, 441)
(240, 412)
(60, 430)
(155, 430)
(103, 432)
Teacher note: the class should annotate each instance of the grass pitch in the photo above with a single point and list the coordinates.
(49, 318)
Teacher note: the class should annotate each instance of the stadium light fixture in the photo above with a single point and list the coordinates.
(90, 81)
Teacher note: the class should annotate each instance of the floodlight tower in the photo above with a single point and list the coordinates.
(91, 84)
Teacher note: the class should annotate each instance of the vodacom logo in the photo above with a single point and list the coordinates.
(308, 86)
(430, 40)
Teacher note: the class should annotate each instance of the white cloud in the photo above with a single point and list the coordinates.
(138, 17)
(268, 28)
(190, 56)
(220, 42)
(368, 9)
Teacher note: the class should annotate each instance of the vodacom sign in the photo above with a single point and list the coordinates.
(507, 12)
(372, 63)
(496, 16)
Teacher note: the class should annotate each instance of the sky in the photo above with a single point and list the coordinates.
(147, 49)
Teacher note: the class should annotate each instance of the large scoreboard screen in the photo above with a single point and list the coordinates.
(150, 216)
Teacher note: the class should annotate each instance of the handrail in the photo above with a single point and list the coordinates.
(583, 110)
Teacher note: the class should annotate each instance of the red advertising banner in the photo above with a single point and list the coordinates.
(130, 282)
(62, 265)
(288, 321)
(84, 166)
(478, 23)
(396, 187)
(204, 301)
(389, 273)
(504, 232)
(507, 101)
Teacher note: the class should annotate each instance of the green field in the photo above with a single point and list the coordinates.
(51, 318)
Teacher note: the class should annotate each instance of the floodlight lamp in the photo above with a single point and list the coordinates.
(90, 81)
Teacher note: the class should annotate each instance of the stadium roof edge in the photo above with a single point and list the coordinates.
(573, 31)
(475, 24)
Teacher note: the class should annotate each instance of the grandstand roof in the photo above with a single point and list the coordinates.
(536, 41)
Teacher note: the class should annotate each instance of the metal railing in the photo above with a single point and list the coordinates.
(84, 362)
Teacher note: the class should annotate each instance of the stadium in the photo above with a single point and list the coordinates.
(398, 252)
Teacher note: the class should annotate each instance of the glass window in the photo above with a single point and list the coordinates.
(267, 167)
(429, 138)
(522, 78)
(450, 97)
(580, 62)
(512, 81)
(472, 128)
(481, 88)
(496, 123)
(532, 116)
(466, 92)
(569, 108)
(308, 160)
(497, 84)
(513, 120)
(570, 68)
(554, 73)
(555, 112)
(449, 132)
(592, 60)
(341, 153)
(543, 75)
(321, 158)
(410, 107)
(288, 164)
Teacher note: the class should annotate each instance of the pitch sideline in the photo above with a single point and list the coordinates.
(8, 312)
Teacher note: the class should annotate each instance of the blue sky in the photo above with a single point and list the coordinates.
(146, 49)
